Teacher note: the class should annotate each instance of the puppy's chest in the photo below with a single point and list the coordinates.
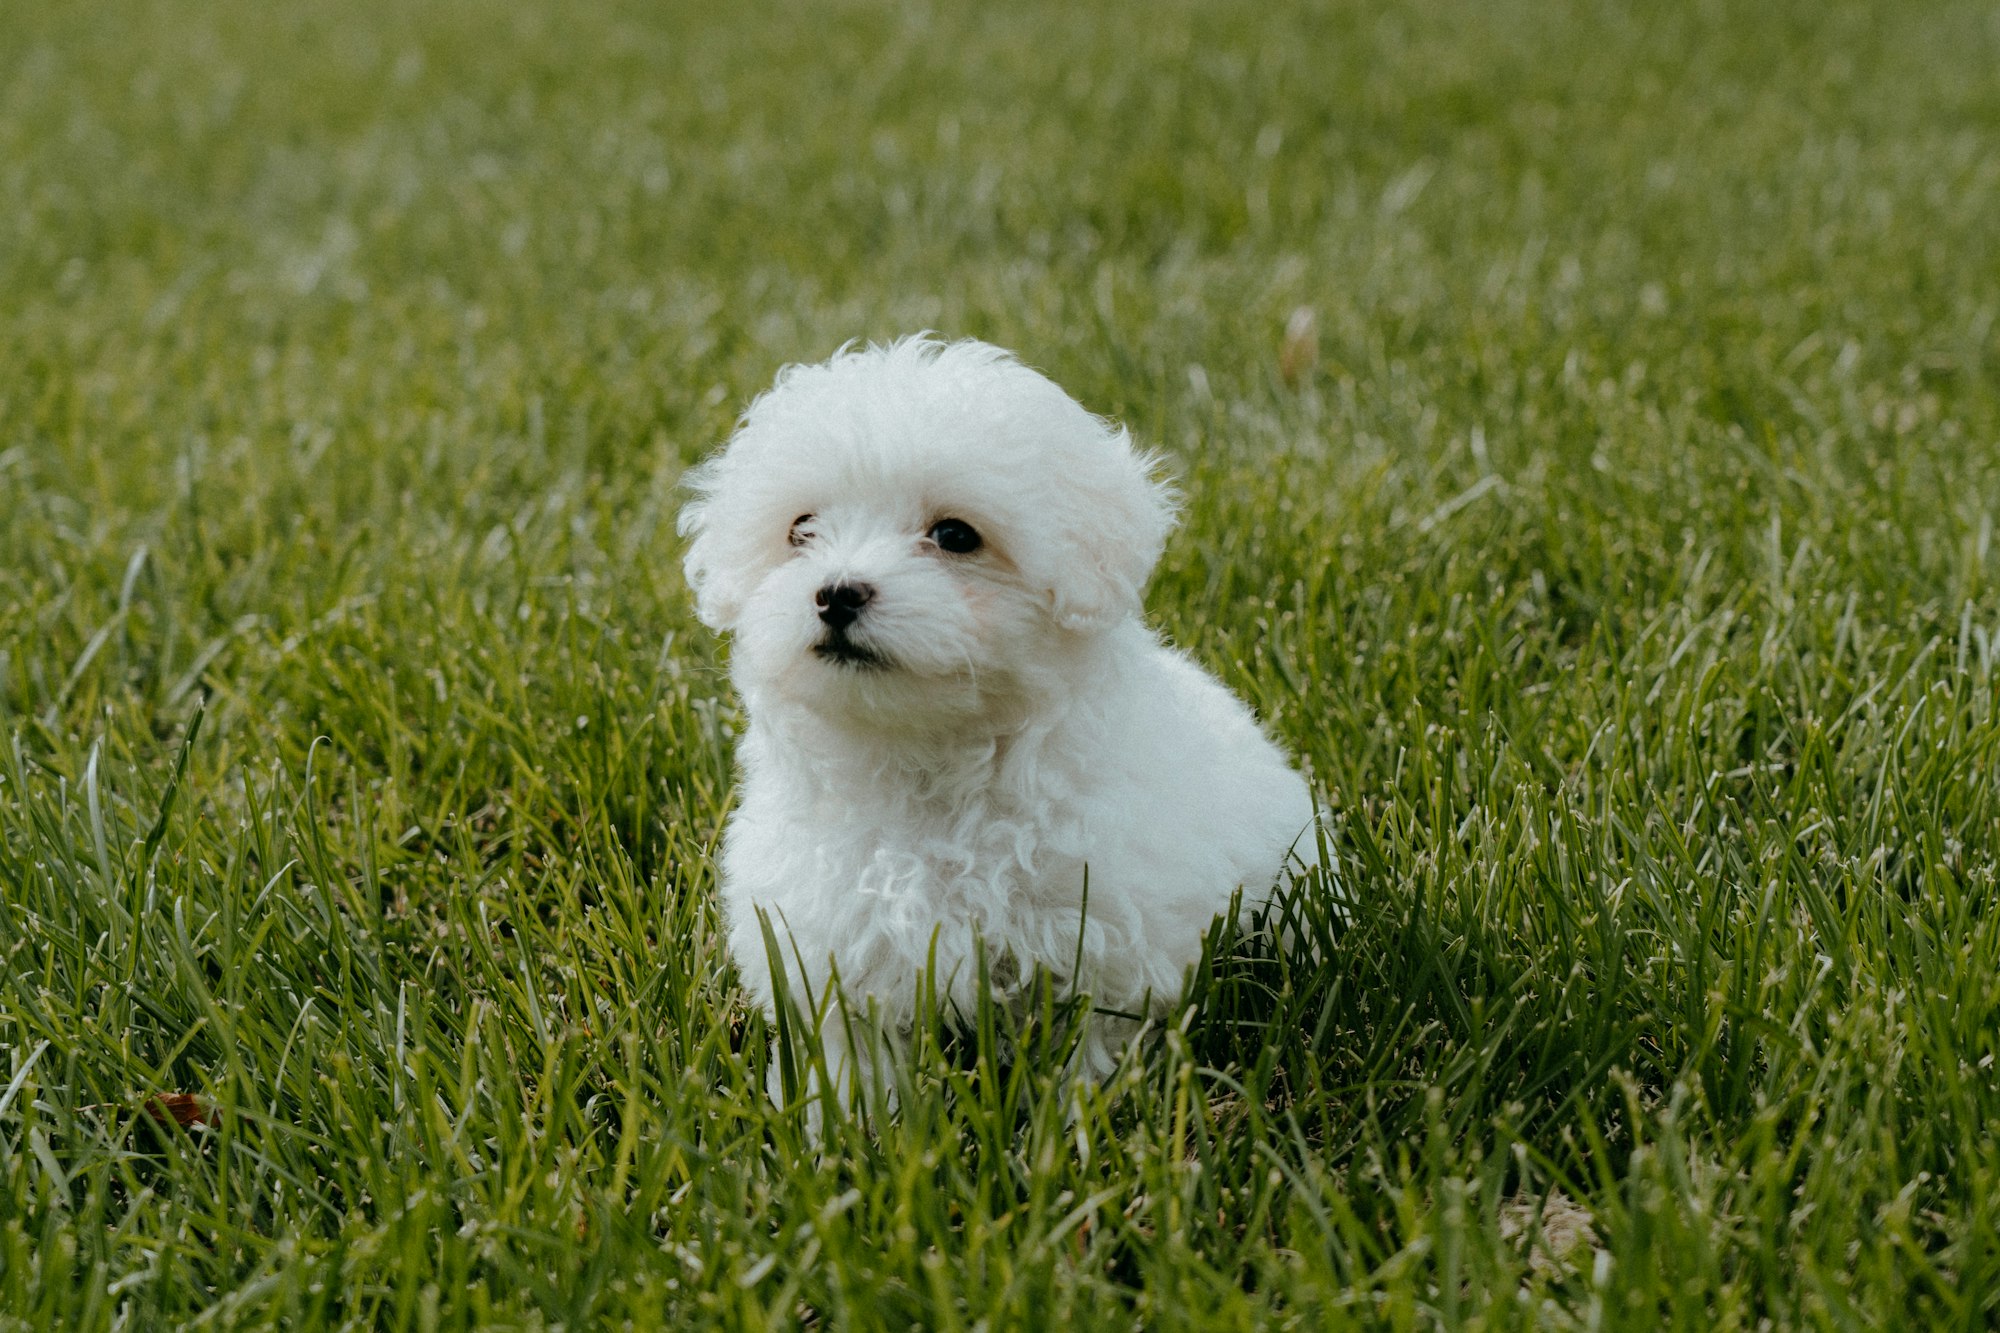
(981, 855)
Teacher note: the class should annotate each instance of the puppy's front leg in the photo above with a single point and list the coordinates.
(843, 1069)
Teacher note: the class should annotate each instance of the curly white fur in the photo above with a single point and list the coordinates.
(993, 725)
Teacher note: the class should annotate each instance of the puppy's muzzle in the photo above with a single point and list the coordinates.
(840, 603)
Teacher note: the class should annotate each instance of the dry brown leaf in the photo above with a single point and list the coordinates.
(1565, 1225)
(183, 1109)
(1298, 354)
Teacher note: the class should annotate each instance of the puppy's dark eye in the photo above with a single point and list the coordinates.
(800, 531)
(955, 535)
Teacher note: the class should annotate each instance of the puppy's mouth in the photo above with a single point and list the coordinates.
(837, 647)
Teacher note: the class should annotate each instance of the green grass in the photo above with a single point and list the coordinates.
(1623, 568)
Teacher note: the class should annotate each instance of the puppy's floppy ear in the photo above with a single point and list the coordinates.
(1111, 524)
(714, 571)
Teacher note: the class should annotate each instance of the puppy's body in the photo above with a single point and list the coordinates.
(930, 559)
(1139, 768)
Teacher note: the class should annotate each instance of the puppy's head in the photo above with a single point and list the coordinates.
(914, 528)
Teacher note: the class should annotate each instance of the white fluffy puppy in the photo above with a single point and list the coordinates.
(930, 559)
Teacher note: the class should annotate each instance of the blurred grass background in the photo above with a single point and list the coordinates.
(1617, 552)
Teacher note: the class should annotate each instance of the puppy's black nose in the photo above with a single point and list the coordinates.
(840, 603)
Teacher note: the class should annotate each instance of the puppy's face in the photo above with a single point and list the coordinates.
(906, 534)
(889, 604)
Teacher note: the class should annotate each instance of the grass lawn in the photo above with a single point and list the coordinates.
(1618, 552)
